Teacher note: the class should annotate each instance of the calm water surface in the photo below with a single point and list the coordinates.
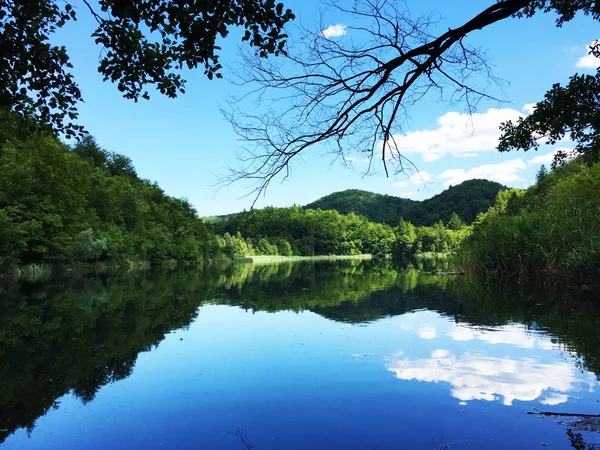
(351, 355)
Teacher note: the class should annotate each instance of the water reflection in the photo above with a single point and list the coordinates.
(77, 334)
(488, 363)
(476, 376)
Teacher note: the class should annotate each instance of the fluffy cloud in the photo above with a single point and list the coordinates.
(418, 179)
(529, 107)
(589, 61)
(504, 172)
(457, 135)
(332, 31)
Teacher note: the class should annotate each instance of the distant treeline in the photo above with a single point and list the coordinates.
(296, 231)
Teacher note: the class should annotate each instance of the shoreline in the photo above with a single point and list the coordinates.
(269, 259)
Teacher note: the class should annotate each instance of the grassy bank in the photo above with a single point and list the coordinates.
(549, 233)
(268, 259)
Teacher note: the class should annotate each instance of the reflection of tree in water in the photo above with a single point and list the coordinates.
(78, 334)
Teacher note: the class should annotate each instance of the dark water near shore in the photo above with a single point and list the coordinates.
(352, 355)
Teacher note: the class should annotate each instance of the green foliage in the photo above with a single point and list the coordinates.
(376, 207)
(455, 223)
(438, 239)
(144, 43)
(12, 241)
(61, 204)
(303, 232)
(86, 247)
(465, 200)
(551, 232)
(573, 110)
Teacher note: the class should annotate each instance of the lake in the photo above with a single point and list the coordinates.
(317, 355)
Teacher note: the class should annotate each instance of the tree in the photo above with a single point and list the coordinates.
(455, 223)
(354, 94)
(406, 236)
(144, 43)
(86, 247)
(573, 109)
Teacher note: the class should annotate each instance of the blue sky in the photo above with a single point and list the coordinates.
(186, 145)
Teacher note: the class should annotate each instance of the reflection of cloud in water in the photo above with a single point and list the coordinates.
(427, 332)
(480, 377)
(516, 335)
(554, 399)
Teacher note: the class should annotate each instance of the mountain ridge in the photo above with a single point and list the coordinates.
(467, 199)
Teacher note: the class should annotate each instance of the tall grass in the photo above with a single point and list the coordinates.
(554, 240)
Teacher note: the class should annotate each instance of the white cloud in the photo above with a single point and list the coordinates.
(589, 61)
(548, 157)
(351, 159)
(529, 107)
(332, 31)
(504, 172)
(457, 135)
(407, 194)
(467, 155)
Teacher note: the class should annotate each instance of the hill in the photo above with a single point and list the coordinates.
(467, 199)
(61, 204)
(376, 207)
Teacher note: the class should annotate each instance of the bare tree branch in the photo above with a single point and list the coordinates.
(354, 93)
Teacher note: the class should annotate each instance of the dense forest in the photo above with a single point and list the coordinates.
(64, 204)
(349, 222)
(466, 199)
(305, 232)
(375, 207)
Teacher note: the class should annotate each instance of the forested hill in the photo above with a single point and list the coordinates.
(466, 199)
(61, 204)
(376, 207)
